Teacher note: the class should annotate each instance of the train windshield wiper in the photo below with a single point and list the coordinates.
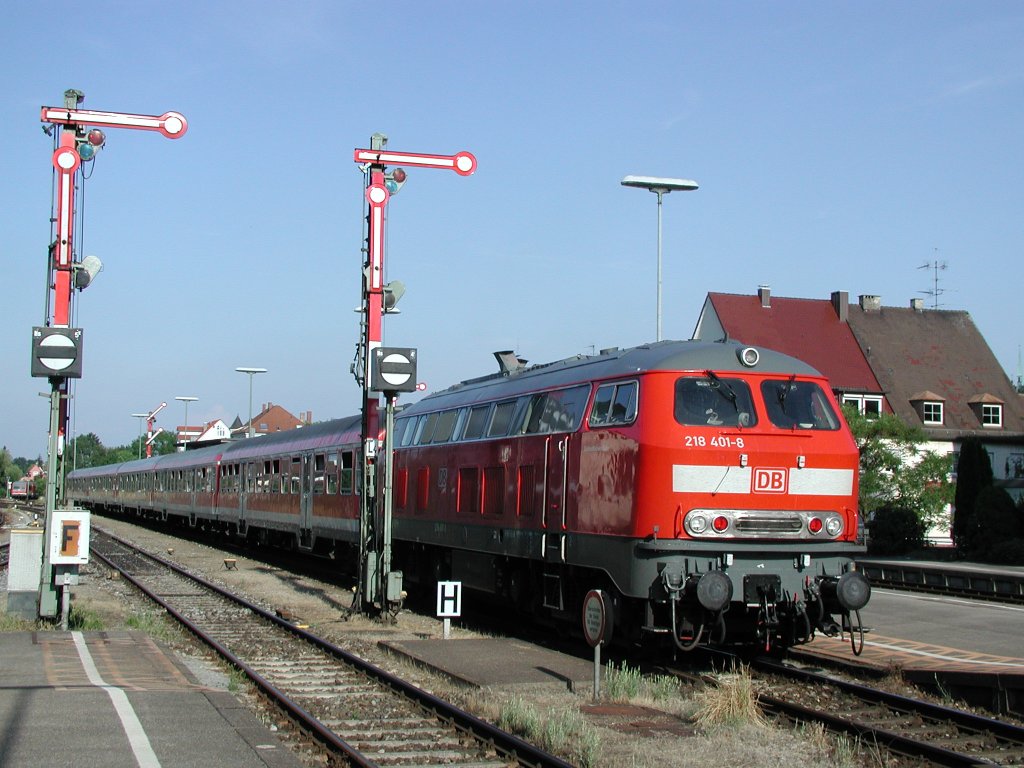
(722, 388)
(784, 392)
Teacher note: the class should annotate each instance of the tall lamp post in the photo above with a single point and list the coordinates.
(186, 399)
(660, 187)
(252, 372)
(141, 417)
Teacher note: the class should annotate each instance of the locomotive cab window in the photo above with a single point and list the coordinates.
(710, 400)
(796, 404)
(614, 404)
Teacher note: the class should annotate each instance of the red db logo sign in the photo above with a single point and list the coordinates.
(770, 480)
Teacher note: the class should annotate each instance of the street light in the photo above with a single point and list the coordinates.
(251, 372)
(186, 399)
(660, 187)
(141, 417)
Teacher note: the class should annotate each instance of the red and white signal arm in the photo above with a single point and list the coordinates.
(69, 537)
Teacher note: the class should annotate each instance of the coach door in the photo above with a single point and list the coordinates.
(556, 467)
(306, 503)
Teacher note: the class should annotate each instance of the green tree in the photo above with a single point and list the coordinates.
(973, 473)
(87, 451)
(897, 471)
(9, 471)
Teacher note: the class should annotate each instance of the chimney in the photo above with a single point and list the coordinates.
(841, 304)
(764, 293)
(870, 303)
(917, 305)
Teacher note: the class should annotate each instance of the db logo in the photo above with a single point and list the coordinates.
(770, 481)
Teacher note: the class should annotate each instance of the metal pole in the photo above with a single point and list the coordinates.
(47, 590)
(389, 457)
(659, 193)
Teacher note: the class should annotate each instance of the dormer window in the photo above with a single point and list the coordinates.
(991, 415)
(930, 408)
(931, 412)
(989, 410)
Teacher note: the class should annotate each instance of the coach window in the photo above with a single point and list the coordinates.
(796, 404)
(476, 422)
(406, 430)
(614, 404)
(319, 473)
(332, 474)
(347, 460)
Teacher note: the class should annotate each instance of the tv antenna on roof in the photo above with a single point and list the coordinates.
(936, 291)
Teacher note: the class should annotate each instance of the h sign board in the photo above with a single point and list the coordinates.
(57, 352)
(393, 369)
(449, 599)
(69, 537)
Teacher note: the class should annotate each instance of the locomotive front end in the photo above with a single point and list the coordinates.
(748, 516)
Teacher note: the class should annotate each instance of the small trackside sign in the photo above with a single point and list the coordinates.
(449, 599)
(770, 480)
(69, 537)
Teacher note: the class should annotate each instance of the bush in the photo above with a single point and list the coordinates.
(1006, 552)
(996, 523)
(895, 531)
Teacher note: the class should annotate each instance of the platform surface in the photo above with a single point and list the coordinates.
(498, 662)
(118, 700)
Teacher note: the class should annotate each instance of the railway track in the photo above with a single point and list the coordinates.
(907, 726)
(354, 710)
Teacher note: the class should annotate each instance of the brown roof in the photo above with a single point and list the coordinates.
(808, 329)
(941, 354)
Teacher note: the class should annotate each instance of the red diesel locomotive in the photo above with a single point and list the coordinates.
(708, 489)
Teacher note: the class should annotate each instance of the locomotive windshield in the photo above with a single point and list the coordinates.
(712, 400)
(796, 404)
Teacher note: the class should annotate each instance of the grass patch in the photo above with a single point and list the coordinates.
(732, 703)
(155, 625)
(9, 623)
(626, 684)
(564, 730)
(237, 680)
(84, 619)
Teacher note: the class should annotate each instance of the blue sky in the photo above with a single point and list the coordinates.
(838, 146)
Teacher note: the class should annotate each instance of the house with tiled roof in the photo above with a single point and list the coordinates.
(930, 367)
(272, 418)
(812, 330)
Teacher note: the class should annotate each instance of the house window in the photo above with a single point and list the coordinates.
(991, 415)
(869, 406)
(931, 412)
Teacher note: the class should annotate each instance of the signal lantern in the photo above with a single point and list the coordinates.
(394, 180)
(93, 143)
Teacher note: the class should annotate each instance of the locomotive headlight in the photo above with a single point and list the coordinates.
(697, 524)
(834, 526)
(748, 356)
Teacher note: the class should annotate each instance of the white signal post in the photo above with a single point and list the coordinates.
(76, 143)
(377, 587)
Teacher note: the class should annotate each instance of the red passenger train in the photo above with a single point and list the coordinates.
(709, 489)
